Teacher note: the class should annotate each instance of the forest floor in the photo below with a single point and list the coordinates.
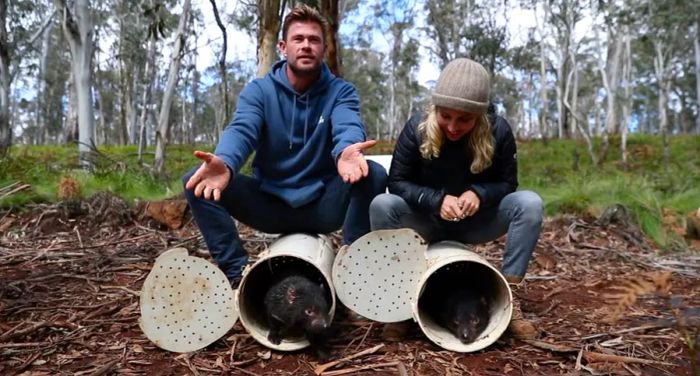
(604, 299)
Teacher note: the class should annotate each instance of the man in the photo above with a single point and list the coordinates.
(309, 171)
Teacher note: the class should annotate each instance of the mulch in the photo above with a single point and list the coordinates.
(606, 301)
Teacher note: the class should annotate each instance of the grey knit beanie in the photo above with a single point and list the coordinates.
(463, 85)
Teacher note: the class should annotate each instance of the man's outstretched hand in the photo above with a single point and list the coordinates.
(211, 177)
(352, 165)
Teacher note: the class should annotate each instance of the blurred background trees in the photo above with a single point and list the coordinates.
(169, 72)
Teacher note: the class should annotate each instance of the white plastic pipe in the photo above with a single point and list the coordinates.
(313, 253)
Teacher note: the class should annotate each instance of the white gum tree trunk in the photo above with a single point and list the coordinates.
(77, 26)
(167, 102)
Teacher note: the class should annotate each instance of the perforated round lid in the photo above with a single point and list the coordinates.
(186, 302)
(377, 275)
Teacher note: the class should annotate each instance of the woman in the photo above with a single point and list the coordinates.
(453, 177)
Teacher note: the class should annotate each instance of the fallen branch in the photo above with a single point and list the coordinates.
(14, 334)
(132, 292)
(623, 331)
(593, 357)
(550, 346)
(323, 367)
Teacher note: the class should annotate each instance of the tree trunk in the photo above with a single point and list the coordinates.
(329, 11)
(195, 107)
(77, 26)
(627, 93)
(42, 95)
(269, 16)
(577, 120)
(224, 110)
(696, 47)
(149, 75)
(131, 112)
(71, 125)
(5, 127)
(101, 129)
(166, 104)
(664, 85)
(610, 78)
(542, 113)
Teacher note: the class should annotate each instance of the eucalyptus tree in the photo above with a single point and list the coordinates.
(524, 62)
(41, 42)
(155, 15)
(224, 110)
(269, 17)
(78, 29)
(15, 43)
(364, 69)
(610, 49)
(447, 21)
(696, 49)
(132, 24)
(5, 130)
(564, 15)
(395, 22)
(664, 34)
(167, 101)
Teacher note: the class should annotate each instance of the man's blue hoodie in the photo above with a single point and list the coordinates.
(297, 137)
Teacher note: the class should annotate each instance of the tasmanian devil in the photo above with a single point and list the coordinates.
(464, 312)
(295, 305)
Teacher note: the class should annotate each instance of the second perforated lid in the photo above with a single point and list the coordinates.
(377, 275)
(186, 302)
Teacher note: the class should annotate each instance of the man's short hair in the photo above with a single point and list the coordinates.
(304, 13)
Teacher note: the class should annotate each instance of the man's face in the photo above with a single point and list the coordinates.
(304, 47)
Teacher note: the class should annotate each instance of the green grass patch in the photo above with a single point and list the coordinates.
(559, 170)
(562, 173)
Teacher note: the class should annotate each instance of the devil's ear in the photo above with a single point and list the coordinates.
(291, 295)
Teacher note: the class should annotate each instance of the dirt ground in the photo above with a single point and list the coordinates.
(604, 300)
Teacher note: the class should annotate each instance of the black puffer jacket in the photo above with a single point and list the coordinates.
(423, 183)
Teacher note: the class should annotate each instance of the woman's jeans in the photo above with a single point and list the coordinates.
(519, 214)
(341, 204)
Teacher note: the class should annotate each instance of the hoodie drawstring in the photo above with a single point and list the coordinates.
(291, 128)
(306, 119)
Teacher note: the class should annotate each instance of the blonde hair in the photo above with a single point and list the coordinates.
(480, 140)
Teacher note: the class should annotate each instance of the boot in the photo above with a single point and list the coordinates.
(519, 326)
(396, 331)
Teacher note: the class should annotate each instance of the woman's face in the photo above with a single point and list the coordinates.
(455, 123)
